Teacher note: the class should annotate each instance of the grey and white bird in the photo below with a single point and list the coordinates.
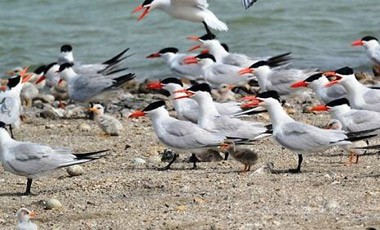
(245, 156)
(67, 56)
(372, 47)
(182, 136)
(359, 96)
(174, 60)
(299, 137)
(109, 124)
(32, 160)
(84, 88)
(317, 83)
(24, 219)
(188, 10)
(279, 80)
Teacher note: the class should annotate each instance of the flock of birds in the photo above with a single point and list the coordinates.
(202, 122)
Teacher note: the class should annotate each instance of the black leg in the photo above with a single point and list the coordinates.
(194, 160)
(226, 154)
(206, 27)
(11, 131)
(28, 187)
(167, 167)
(298, 169)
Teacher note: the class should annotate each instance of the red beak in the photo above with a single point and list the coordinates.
(136, 114)
(195, 48)
(139, 8)
(40, 79)
(26, 77)
(331, 83)
(155, 55)
(254, 103)
(329, 73)
(194, 38)
(245, 71)
(320, 108)
(154, 85)
(357, 43)
(190, 60)
(206, 51)
(299, 84)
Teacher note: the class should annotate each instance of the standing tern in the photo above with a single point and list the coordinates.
(182, 136)
(216, 74)
(31, 160)
(83, 88)
(360, 96)
(372, 47)
(67, 56)
(110, 125)
(174, 61)
(189, 10)
(317, 83)
(24, 221)
(279, 80)
(296, 136)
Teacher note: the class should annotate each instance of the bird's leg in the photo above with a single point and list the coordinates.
(11, 131)
(350, 157)
(226, 154)
(194, 160)
(206, 27)
(28, 186)
(167, 167)
(298, 169)
(249, 168)
(245, 169)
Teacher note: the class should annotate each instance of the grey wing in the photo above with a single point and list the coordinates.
(303, 137)
(364, 120)
(186, 135)
(197, 3)
(84, 88)
(248, 3)
(31, 159)
(376, 57)
(9, 110)
(372, 96)
(336, 91)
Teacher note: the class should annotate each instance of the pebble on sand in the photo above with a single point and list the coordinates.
(52, 204)
(75, 170)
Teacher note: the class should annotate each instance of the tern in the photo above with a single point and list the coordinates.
(299, 137)
(24, 221)
(179, 135)
(317, 83)
(83, 88)
(31, 160)
(360, 96)
(110, 125)
(372, 47)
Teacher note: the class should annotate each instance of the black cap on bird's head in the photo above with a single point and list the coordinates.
(40, 69)
(13, 81)
(368, 38)
(345, 71)
(258, 64)
(154, 105)
(47, 68)
(66, 48)
(168, 50)
(313, 77)
(269, 94)
(225, 46)
(208, 36)
(206, 56)
(200, 87)
(147, 2)
(2, 125)
(171, 80)
(64, 66)
(337, 102)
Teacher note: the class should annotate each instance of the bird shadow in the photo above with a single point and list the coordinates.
(14, 194)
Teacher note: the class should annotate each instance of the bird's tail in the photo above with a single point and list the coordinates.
(214, 23)
(122, 79)
(84, 157)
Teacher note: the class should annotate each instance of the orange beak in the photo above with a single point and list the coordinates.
(24, 71)
(92, 109)
(245, 71)
(248, 98)
(205, 51)
(299, 84)
(329, 73)
(193, 38)
(136, 114)
(357, 43)
(32, 214)
(3, 88)
(42, 78)
(254, 103)
(331, 83)
(154, 85)
(320, 108)
(26, 77)
(155, 55)
(139, 8)
(190, 60)
(181, 91)
(195, 48)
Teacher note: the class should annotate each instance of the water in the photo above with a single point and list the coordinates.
(318, 33)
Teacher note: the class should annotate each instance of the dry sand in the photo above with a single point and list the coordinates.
(116, 193)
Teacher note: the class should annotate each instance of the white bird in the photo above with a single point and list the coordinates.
(298, 137)
(210, 119)
(214, 47)
(360, 96)
(352, 120)
(279, 80)
(189, 10)
(24, 221)
(174, 60)
(216, 74)
(67, 56)
(187, 108)
(372, 47)
(110, 125)
(83, 88)
(183, 136)
(317, 83)
(32, 160)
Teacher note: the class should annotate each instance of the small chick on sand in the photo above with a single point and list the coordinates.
(245, 156)
(24, 222)
(110, 125)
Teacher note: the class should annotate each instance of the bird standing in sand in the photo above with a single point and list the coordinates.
(110, 125)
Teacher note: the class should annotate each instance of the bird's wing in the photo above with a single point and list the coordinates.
(248, 3)
(84, 87)
(372, 96)
(364, 120)
(9, 109)
(197, 3)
